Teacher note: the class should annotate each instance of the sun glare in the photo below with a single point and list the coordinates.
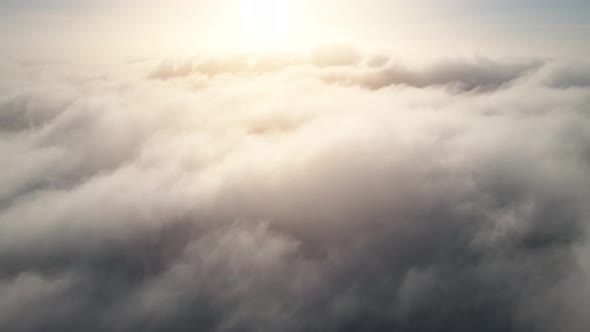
(266, 24)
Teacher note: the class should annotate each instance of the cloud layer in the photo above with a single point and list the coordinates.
(331, 192)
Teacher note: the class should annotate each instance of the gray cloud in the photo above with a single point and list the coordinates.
(569, 75)
(267, 194)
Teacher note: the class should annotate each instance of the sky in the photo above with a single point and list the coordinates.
(131, 28)
(296, 166)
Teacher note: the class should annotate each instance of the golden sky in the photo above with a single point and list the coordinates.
(415, 28)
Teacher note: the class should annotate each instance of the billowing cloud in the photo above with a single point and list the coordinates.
(281, 194)
(347, 66)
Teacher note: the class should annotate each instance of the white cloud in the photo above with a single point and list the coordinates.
(279, 194)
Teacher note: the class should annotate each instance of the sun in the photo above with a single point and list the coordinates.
(266, 24)
(255, 26)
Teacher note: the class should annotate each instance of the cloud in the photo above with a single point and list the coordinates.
(338, 64)
(274, 193)
(569, 75)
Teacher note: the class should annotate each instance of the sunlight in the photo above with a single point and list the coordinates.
(265, 24)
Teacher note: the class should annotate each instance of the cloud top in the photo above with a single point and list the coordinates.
(335, 192)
